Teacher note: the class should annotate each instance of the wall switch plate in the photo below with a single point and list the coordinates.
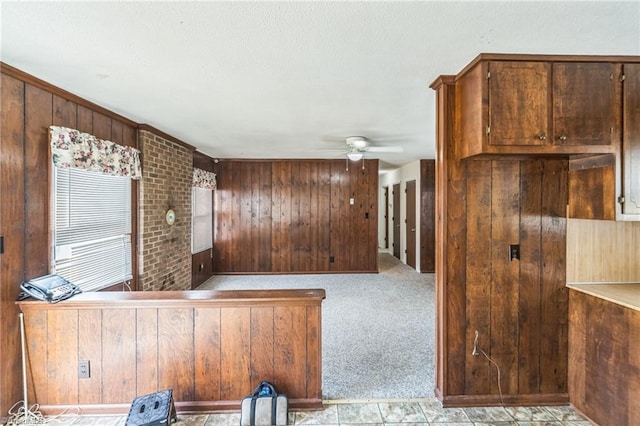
(84, 371)
(352, 201)
(514, 252)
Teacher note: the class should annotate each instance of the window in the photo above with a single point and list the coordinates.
(91, 221)
(201, 220)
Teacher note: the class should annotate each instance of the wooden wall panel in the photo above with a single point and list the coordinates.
(235, 349)
(207, 354)
(314, 351)
(554, 304)
(262, 349)
(175, 352)
(427, 215)
(201, 267)
(478, 288)
(38, 118)
(65, 113)
(530, 277)
(119, 344)
(90, 328)
(505, 217)
(62, 356)
(147, 374)
(264, 217)
(289, 350)
(12, 229)
(603, 372)
(211, 350)
(293, 215)
(602, 251)
(36, 337)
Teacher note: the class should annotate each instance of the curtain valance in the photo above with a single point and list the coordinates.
(204, 179)
(71, 148)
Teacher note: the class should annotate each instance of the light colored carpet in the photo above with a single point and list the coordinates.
(377, 329)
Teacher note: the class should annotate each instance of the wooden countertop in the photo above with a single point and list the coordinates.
(627, 294)
(191, 298)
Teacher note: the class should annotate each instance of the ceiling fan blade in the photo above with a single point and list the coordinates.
(384, 149)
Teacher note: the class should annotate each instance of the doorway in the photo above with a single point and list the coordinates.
(395, 193)
(386, 217)
(411, 224)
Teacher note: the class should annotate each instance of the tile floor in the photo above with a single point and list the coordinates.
(395, 412)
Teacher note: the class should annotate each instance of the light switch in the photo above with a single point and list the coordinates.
(352, 201)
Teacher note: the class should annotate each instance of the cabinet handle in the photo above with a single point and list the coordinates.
(563, 138)
(542, 137)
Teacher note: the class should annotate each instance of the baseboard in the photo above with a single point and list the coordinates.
(182, 407)
(509, 400)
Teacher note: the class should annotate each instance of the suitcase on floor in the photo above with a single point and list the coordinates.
(264, 407)
(156, 409)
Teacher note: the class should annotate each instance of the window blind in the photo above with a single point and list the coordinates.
(201, 220)
(91, 228)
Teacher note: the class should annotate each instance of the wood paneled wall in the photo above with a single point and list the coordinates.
(604, 360)
(519, 307)
(29, 107)
(212, 348)
(295, 216)
(427, 215)
(602, 251)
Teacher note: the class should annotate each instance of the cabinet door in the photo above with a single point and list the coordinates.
(586, 103)
(631, 139)
(519, 103)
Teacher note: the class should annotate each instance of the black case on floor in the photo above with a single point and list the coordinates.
(156, 409)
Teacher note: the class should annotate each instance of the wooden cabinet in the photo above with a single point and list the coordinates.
(631, 140)
(538, 107)
(607, 187)
(586, 103)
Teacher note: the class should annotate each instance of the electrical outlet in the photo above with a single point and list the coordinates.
(84, 371)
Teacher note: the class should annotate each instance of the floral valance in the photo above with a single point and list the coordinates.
(71, 148)
(204, 179)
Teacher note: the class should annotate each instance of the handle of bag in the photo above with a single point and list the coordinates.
(274, 402)
(265, 384)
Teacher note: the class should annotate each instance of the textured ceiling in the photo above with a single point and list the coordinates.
(291, 79)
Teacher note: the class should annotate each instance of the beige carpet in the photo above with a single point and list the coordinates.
(377, 329)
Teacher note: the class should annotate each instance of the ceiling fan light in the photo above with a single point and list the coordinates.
(355, 156)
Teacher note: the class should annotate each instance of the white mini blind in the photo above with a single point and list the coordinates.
(92, 228)
(201, 220)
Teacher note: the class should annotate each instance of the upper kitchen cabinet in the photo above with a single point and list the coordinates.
(631, 140)
(607, 187)
(537, 105)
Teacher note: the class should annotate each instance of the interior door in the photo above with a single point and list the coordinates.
(411, 224)
(396, 220)
(386, 217)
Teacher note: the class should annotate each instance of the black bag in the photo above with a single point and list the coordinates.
(264, 407)
(156, 409)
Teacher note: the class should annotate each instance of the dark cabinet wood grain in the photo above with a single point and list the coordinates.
(514, 105)
(586, 103)
(631, 140)
(519, 103)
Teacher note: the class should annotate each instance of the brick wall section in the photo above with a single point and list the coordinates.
(165, 251)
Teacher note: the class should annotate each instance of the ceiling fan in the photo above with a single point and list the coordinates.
(357, 146)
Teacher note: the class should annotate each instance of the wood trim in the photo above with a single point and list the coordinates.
(182, 407)
(35, 81)
(156, 299)
(157, 132)
(451, 401)
(547, 58)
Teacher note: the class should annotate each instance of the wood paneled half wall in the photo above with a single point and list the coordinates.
(296, 216)
(211, 347)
